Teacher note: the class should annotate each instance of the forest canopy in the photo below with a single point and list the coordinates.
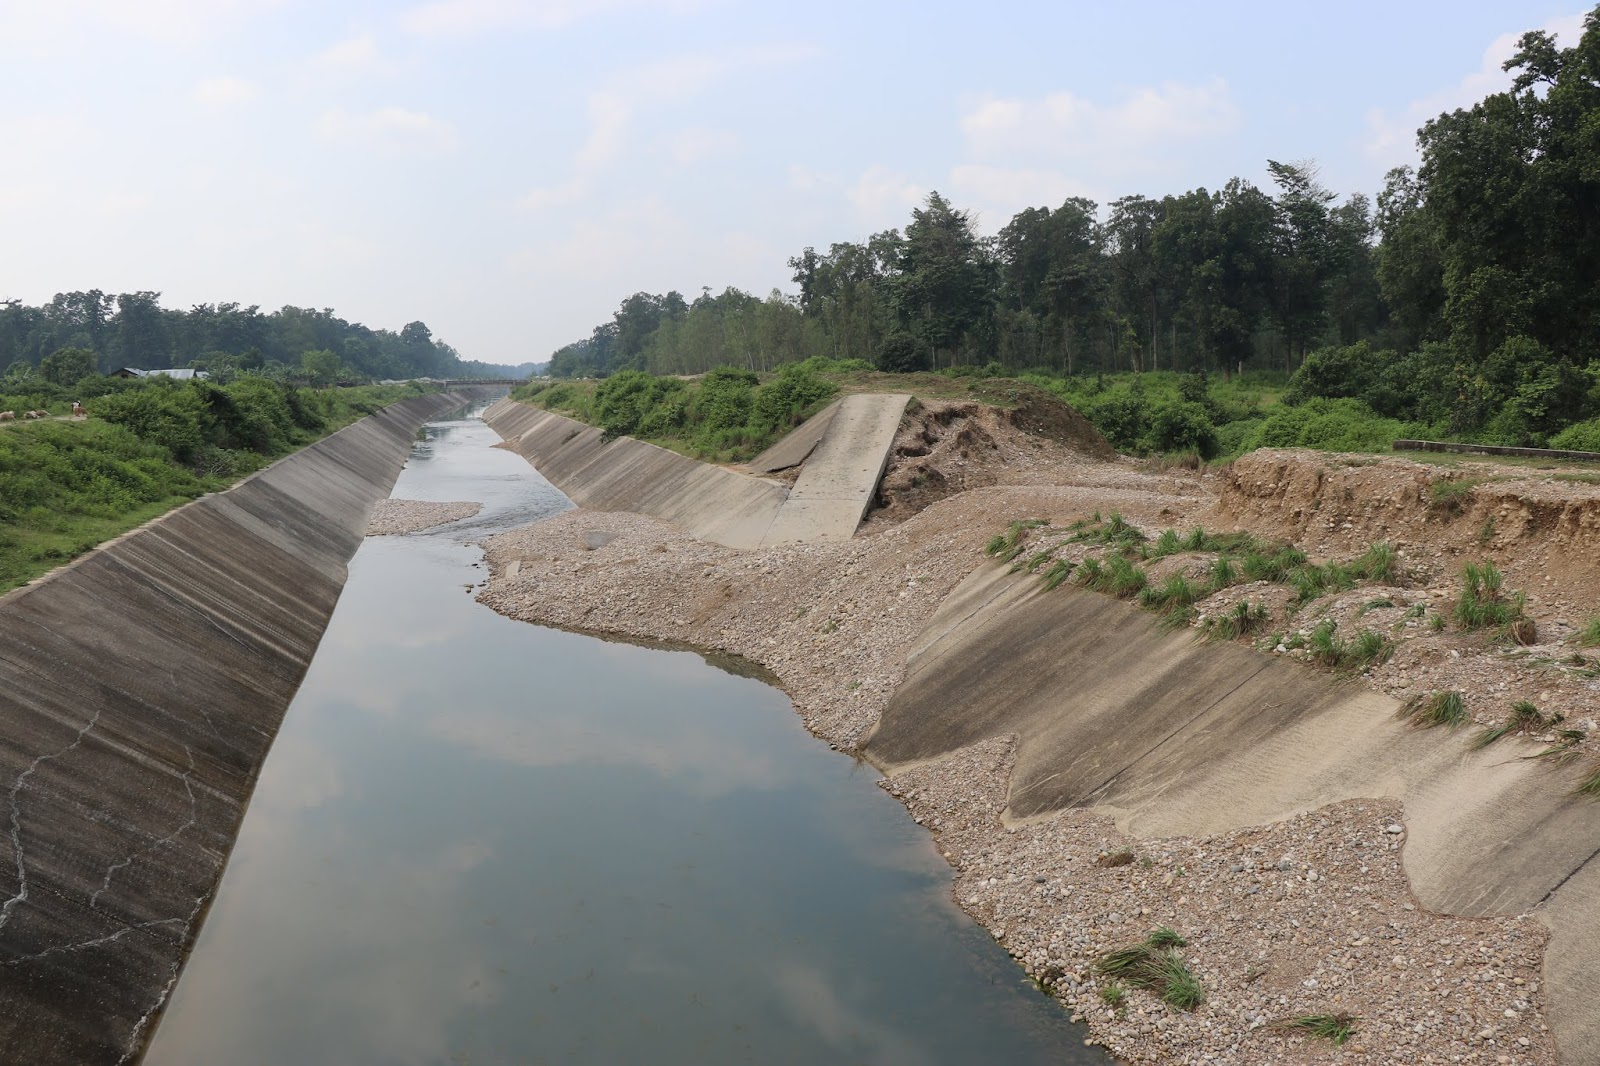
(133, 330)
(1464, 298)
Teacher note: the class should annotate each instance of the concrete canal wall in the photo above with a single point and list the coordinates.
(140, 689)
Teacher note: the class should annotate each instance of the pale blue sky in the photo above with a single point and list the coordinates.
(508, 170)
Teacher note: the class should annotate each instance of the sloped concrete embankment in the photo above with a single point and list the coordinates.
(629, 475)
(140, 689)
(842, 453)
(1175, 737)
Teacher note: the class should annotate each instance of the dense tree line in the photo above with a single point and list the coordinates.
(1467, 298)
(134, 330)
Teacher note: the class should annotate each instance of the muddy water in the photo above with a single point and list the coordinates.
(479, 841)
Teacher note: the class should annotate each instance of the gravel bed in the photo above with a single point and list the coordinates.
(412, 516)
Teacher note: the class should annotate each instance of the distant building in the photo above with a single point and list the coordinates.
(182, 374)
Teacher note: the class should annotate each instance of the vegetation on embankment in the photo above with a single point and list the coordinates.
(66, 486)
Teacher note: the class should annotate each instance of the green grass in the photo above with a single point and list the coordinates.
(1366, 649)
(1435, 709)
(1176, 595)
(1589, 635)
(1114, 994)
(1155, 965)
(1524, 716)
(1008, 545)
(1059, 571)
(67, 486)
(1448, 499)
(1484, 604)
(1590, 785)
(1335, 1028)
(1241, 619)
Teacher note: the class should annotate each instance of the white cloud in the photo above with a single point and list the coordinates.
(392, 127)
(354, 54)
(221, 93)
(458, 17)
(882, 196)
(1392, 136)
(613, 108)
(698, 143)
(1126, 136)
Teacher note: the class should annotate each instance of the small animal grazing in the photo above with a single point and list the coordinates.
(8, 416)
(37, 414)
(78, 411)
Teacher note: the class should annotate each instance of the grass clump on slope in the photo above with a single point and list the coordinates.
(1155, 965)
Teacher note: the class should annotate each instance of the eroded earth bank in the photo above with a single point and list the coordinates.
(1092, 774)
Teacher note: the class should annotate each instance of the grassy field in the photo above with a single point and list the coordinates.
(66, 486)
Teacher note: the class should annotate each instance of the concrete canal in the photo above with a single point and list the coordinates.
(484, 842)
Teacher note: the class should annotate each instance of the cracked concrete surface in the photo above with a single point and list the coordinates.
(140, 689)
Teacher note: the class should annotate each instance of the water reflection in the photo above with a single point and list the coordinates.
(480, 841)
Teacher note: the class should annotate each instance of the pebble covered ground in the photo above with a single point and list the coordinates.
(392, 517)
(1312, 916)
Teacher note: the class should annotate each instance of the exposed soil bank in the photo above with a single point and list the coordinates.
(1311, 914)
(140, 689)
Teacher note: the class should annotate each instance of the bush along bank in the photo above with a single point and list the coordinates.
(66, 486)
(725, 415)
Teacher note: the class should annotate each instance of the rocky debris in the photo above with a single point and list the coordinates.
(412, 516)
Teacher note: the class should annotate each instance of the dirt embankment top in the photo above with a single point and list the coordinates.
(1541, 526)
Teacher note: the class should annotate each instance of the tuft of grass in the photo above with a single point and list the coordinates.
(1117, 576)
(1223, 574)
(1451, 498)
(1589, 635)
(1524, 716)
(1155, 966)
(1336, 1028)
(1275, 565)
(1058, 572)
(1089, 573)
(1242, 618)
(1368, 649)
(1484, 604)
(1436, 623)
(1378, 563)
(1326, 649)
(1166, 937)
(1435, 709)
(1008, 545)
(1590, 785)
(1175, 596)
(1373, 605)
(1114, 994)
(1031, 564)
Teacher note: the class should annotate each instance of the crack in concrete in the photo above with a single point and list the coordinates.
(81, 945)
(194, 810)
(16, 818)
(135, 1046)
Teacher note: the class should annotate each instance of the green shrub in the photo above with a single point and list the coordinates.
(1579, 437)
(1342, 425)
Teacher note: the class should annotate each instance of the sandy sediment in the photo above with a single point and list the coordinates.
(1309, 916)
(412, 516)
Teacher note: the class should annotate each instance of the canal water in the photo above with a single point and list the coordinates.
(480, 841)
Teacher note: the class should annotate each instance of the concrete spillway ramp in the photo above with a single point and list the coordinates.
(796, 446)
(839, 479)
(140, 689)
(1177, 737)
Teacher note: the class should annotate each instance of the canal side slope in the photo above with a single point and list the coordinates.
(140, 689)
(841, 453)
